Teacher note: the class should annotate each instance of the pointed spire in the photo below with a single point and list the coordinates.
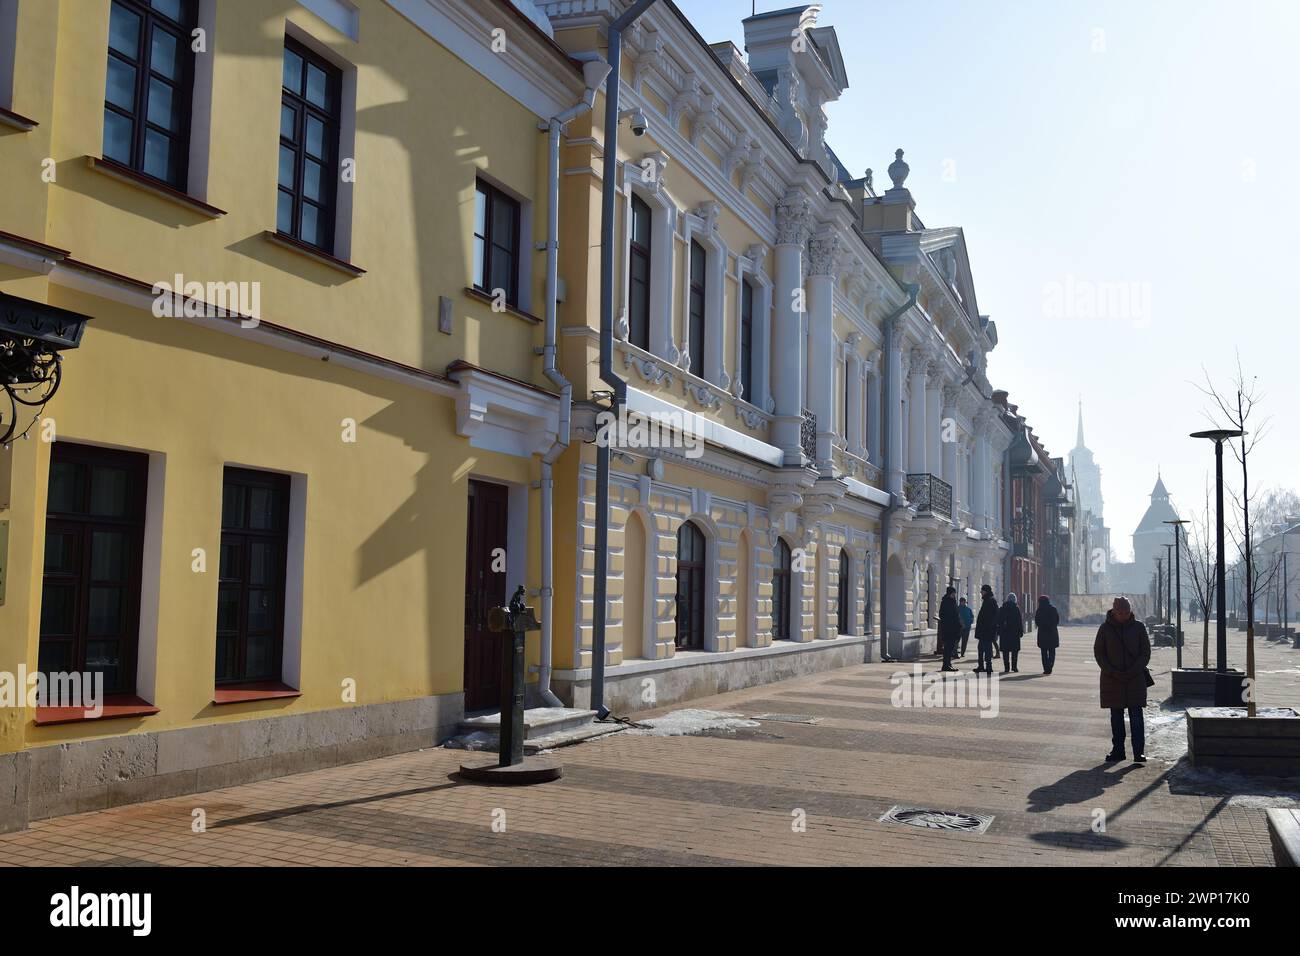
(1078, 442)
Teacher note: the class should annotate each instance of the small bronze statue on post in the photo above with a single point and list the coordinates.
(511, 766)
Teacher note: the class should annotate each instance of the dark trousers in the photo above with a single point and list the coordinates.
(1049, 658)
(1010, 660)
(949, 650)
(985, 649)
(1117, 730)
(965, 637)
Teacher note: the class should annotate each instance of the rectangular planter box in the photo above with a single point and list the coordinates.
(1193, 684)
(1224, 738)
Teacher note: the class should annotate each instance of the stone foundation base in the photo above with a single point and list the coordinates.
(644, 685)
(58, 779)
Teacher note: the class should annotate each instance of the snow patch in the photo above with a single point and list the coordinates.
(680, 723)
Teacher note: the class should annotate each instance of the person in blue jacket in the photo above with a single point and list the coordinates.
(967, 622)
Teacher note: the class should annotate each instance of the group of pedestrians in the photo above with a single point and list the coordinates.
(1122, 651)
(998, 630)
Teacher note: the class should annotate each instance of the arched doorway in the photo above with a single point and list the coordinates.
(691, 589)
(781, 592)
(868, 598)
(634, 589)
(895, 609)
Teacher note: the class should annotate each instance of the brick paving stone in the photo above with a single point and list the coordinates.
(733, 798)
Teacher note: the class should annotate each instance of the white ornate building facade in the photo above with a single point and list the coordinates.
(825, 346)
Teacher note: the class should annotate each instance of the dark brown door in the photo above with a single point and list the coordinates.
(485, 588)
(690, 588)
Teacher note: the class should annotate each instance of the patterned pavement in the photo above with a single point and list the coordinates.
(780, 792)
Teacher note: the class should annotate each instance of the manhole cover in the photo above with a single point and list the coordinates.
(787, 718)
(928, 819)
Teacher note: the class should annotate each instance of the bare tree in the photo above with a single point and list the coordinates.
(1238, 409)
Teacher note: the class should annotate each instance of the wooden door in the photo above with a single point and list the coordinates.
(485, 588)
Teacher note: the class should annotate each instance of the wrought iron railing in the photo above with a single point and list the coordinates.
(930, 494)
(808, 434)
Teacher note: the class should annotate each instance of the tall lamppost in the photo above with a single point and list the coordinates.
(1178, 573)
(1227, 689)
(1169, 582)
(1160, 587)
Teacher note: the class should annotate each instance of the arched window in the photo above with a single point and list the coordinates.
(690, 587)
(842, 615)
(781, 592)
(867, 584)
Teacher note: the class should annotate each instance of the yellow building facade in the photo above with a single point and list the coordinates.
(247, 506)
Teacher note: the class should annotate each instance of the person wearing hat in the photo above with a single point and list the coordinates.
(1047, 619)
(1011, 627)
(1123, 651)
(949, 627)
(986, 630)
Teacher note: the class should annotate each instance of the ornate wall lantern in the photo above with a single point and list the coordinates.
(32, 336)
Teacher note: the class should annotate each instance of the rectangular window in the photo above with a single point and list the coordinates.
(94, 542)
(638, 293)
(250, 589)
(747, 341)
(149, 87)
(496, 242)
(310, 111)
(695, 330)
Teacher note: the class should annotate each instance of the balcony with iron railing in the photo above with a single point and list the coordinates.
(930, 495)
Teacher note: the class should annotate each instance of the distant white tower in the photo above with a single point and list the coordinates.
(1091, 524)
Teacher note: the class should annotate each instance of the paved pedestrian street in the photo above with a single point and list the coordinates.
(795, 792)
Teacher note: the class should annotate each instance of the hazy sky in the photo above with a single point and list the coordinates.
(1144, 150)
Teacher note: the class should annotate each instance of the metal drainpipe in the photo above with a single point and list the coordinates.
(885, 457)
(554, 128)
(609, 165)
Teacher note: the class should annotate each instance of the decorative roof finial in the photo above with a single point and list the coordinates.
(898, 170)
(868, 179)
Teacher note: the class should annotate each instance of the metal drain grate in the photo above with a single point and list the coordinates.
(787, 718)
(928, 819)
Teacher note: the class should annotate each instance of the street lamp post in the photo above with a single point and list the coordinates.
(1227, 691)
(1178, 573)
(1169, 582)
(1160, 588)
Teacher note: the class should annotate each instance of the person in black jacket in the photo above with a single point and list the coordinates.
(986, 629)
(1047, 619)
(949, 627)
(1011, 627)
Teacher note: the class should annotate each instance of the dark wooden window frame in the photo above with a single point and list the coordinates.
(698, 300)
(842, 595)
(152, 19)
(247, 480)
(638, 292)
(692, 574)
(746, 370)
(492, 196)
(781, 591)
(332, 118)
(83, 525)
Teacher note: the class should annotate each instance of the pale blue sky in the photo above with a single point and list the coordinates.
(1164, 163)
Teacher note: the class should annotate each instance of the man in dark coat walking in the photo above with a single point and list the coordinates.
(986, 630)
(1047, 619)
(949, 627)
(1011, 627)
(1123, 651)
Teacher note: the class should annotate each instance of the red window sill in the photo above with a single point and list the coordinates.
(115, 705)
(254, 690)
